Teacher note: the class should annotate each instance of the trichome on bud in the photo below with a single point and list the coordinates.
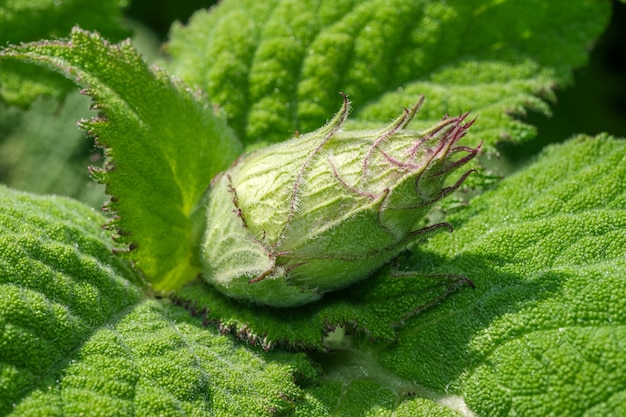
(292, 221)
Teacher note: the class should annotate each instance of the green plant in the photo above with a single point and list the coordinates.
(99, 326)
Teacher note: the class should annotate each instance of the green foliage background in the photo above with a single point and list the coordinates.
(82, 333)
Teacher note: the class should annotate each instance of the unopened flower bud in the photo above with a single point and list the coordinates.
(292, 221)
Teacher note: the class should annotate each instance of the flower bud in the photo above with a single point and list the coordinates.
(287, 223)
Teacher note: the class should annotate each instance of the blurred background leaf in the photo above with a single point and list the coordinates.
(42, 150)
(26, 20)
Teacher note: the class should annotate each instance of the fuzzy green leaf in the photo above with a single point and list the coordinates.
(27, 20)
(543, 333)
(156, 360)
(59, 283)
(276, 66)
(163, 145)
(76, 338)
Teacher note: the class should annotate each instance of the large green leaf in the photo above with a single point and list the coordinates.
(544, 331)
(27, 20)
(164, 144)
(77, 338)
(59, 282)
(156, 360)
(276, 66)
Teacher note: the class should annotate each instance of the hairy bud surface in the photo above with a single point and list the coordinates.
(292, 221)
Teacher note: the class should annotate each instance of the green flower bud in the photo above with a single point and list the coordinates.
(292, 221)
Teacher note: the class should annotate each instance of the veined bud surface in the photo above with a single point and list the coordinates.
(294, 220)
